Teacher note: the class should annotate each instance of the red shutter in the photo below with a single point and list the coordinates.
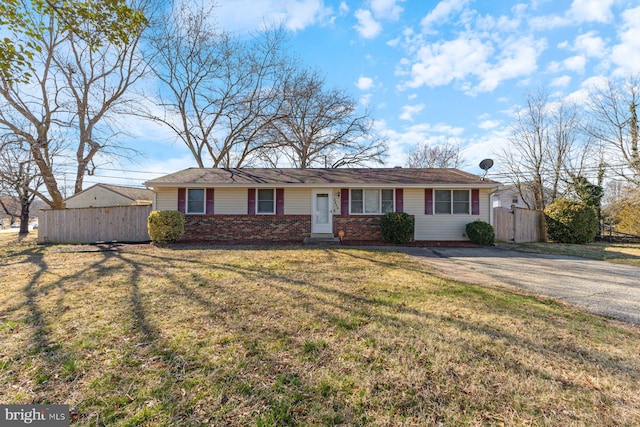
(344, 202)
(251, 202)
(399, 200)
(279, 201)
(209, 201)
(428, 201)
(182, 199)
(475, 202)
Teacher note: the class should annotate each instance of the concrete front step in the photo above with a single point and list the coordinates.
(322, 239)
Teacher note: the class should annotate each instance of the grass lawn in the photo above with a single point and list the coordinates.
(619, 253)
(288, 336)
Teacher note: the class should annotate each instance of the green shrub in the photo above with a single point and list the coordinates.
(165, 226)
(480, 232)
(571, 222)
(397, 227)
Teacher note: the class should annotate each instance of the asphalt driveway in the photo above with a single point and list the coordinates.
(596, 286)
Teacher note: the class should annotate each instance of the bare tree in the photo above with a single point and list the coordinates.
(97, 82)
(217, 93)
(435, 156)
(19, 178)
(322, 127)
(614, 122)
(545, 144)
(79, 79)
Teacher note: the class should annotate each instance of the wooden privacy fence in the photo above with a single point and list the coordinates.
(519, 225)
(94, 225)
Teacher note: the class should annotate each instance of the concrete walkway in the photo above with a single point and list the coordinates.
(596, 286)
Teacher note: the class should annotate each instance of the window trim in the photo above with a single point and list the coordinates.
(451, 201)
(204, 202)
(379, 211)
(273, 212)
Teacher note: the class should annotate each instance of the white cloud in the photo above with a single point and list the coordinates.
(401, 142)
(489, 124)
(365, 100)
(386, 9)
(626, 55)
(343, 8)
(562, 81)
(409, 111)
(369, 20)
(467, 61)
(575, 63)
(518, 58)
(483, 147)
(591, 11)
(548, 22)
(364, 83)
(295, 15)
(367, 26)
(580, 11)
(440, 63)
(441, 13)
(590, 45)
(581, 95)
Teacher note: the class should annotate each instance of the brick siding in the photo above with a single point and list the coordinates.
(246, 228)
(359, 228)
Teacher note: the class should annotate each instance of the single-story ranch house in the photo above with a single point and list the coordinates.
(246, 205)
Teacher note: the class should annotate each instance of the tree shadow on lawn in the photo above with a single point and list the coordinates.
(327, 300)
(54, 358)
(57, 370)
(156, 369)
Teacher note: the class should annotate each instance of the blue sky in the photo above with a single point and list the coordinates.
(429, 71)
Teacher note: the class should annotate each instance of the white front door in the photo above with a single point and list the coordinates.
(322, 212)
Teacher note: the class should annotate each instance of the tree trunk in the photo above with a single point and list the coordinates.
(24, 215)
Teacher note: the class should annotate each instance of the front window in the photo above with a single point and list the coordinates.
(266, 201)
(461, 202)
(452, 201)
(371, 201)
(195, 201)
(387, 201)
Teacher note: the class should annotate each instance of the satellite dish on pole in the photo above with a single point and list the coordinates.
(485, 165)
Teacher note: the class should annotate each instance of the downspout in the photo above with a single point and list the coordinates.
(155, 202)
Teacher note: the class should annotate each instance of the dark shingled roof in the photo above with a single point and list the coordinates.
(318, 177)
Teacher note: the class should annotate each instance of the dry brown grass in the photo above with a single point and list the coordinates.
(298, 336)
(618, 253)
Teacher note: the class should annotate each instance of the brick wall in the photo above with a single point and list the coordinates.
(276, 228)
(246, 228)
(360, 228)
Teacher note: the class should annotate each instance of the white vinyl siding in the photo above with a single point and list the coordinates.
(230, 201)
(297, 201)
(166, 199)
(441, 227)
